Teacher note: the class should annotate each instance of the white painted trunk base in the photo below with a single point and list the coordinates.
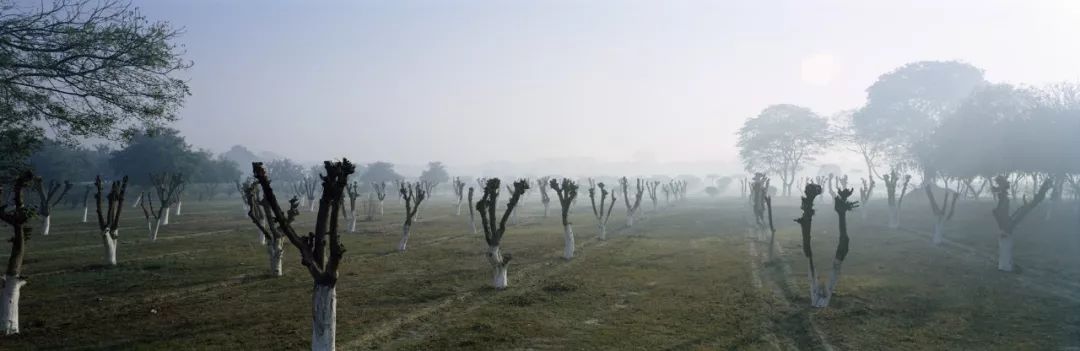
(568, 240)
(110, 247)
(499, 280)
(179, 204)
(46, 223)
(262, 239)
(157, 227)
(1005, 252)
(381, 208)
(276, 252)
(311, 207)
(404, 238)
(352, 222)
(324, 318)
(630, 220)
(85, 212)
(9, 304)
(603, 231)
(165, 219)
(458, 207)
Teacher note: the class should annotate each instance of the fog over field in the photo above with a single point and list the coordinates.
(539, 175)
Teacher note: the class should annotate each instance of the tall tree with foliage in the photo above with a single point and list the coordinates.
(84, 68)
(780, 140)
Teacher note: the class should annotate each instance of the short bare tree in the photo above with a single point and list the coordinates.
(895, 202)
(631, 209)
(109, 222)
(167, 186)
(413, 194)
(48, 197)
(567, 192)
(651, 186)
(459, 192)
(865, 193)
(821, 294)
(322, 265)
(13, 282)
(1007, 221)
(86, 204)
(472, 214)
(353, 191)
(494, 228)
(602, 214)
(542, 184)
(310, 185)
(380, 192)
(759, 190)
(269, 232)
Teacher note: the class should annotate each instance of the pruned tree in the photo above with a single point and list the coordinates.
(601, 216)
(494, 228)
(310, 185)
(353, 191)
(269, 232)
(413, 194)
(651, 186)
(48, 197)
(759, 191)
(459, 192)
(892, 179)
(943, 212)
(567, 192)
(17, 217)
(241, 188)
(109, 222)
(322, 265)
(1007, 221)
(631, 209)
(380, 192)
(865, 192)
(821, 294)
(167, 186)
(472, 214)
(542, 184)
(668, 193)
(371, 207)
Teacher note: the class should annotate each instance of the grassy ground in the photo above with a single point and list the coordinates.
(684, 277)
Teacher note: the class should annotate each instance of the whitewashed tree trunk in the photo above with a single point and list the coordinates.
(262, 239)
(324, 318)
(9, 304)
(311, 207)
(603, 231)
(568, 240)
(499, 280)
(546, 205)
(165, 219)
(276, 252)
(352, 221)
(138, 201)
(459, 207)
(629, 219)
(110, 247)
(404, 238)
(46, 223)
(179, 204)
(157, 227)
(381, 212)
(939, 231)
(472, 223)
(1005, 252)
(85, 212)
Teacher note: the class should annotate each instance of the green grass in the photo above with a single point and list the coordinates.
(682, 278)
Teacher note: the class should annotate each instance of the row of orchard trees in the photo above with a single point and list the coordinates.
(944, 123)
(321, 251)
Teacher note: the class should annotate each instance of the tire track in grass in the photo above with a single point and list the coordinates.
(1038, 278)
(89, 268)
(530, 281)
(800, 318)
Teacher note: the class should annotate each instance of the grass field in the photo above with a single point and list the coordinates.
(685, 277)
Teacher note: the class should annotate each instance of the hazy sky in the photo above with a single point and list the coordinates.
(473, 81)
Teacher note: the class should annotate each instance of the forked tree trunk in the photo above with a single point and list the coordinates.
(404, 237)
(324, 318)
(499, 281)
(157, 228)
(46, 223)
(1005, 251)
(568, 240)
(276, 252)
(9, 304)
(110, 246)
(311, 207)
